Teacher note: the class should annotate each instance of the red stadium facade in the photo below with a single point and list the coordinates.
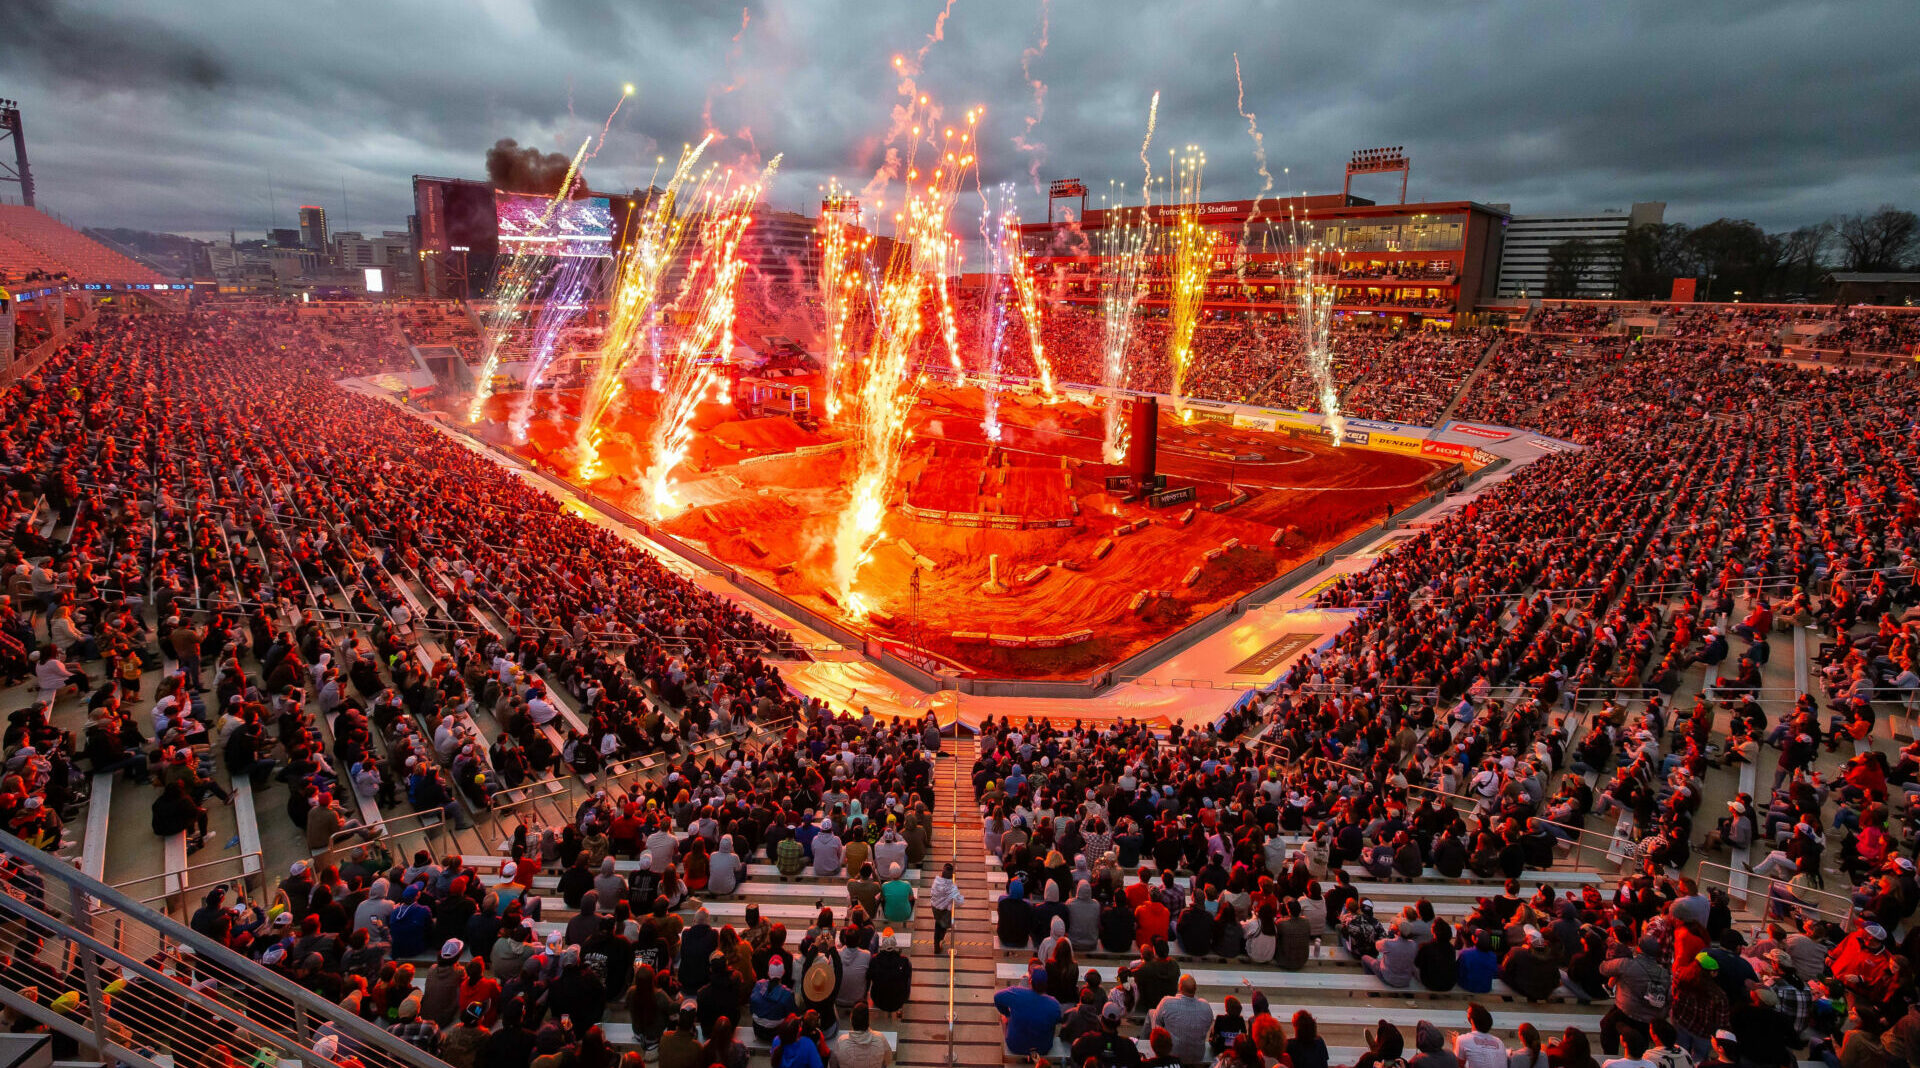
(1413, 262)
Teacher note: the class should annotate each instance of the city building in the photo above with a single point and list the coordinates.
(1594, 272)
(313, 226)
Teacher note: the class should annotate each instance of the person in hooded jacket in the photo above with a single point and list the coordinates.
(1083, 918)
(724, 869)
(1014, 915)
(889, 976)
(608, 883)
(697, 944)
(585, 923)
(1041, 916)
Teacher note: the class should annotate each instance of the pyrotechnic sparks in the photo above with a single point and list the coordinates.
(512, 284)
(843, 249)
(565, 300)
(707, 298)
(924, 252)
(1192, 255)
(1024, 286)
(657, 237)
(993, 313)
(1316, 333)
(1123, 249)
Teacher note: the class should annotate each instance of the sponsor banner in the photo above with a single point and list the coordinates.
(1408, 444)
(1047, 641)
(1172, 497)
(1004, 522)
(1449, 450)
(1206, 416)
(1274, 654)
(1371, 425)
(1246, 421)
(1487, 432)
(964, 519)
(1549, 446)
(1119, 483)
(1482, 457)
(1006, 641)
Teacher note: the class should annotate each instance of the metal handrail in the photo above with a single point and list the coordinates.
(174, 873)
(251, 1006)
(360, 829)
(1745, 895)
(1576, 834)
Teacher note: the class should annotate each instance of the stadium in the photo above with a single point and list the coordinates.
(592, 629)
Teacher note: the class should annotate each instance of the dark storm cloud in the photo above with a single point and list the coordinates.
(199, 115)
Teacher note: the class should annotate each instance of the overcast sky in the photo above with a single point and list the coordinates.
(182, 115)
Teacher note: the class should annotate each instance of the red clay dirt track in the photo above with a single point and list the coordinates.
(774, 517)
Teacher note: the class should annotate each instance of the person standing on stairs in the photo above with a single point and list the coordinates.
(945, 898)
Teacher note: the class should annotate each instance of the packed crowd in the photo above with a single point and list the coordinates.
(1868, 329)
(333, 596)
(1572, 319)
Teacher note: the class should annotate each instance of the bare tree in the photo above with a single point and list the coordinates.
(1883, 240)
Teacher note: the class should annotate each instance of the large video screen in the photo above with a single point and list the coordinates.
(576, 227)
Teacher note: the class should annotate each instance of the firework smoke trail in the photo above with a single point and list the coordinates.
(1024, 140)
(1266, 176)
(843, 246)
(924, 249)
(1192, 258)
(708, 298)
(565, 300)
(1153, 115)
(637, 301)
(519, 279)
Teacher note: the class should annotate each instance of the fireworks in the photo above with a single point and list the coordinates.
(511, 286)
(657, 237)
(1028, 291)
(1316, 322)
(843, 249)
(566, 291)
(1192, 254)
(993, 319)
(1124, 251)
(707, 297)
(924, 252)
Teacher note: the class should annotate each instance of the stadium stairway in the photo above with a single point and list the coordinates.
(951, 1019)
(1467, 382)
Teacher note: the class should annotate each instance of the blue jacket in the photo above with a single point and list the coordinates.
(1031, 1017)
(1478, 969)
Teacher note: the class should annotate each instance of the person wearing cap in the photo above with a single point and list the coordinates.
(440, 1000)
(1864, 953)
(1105, 1045)
(1531, 968)
(828, 851)
(897, 896)
(1726, 1050)
(1642, 988)
(1031, 1015)
(414, 1029)
(889, 976)
(463, 1044)
(771, 1001)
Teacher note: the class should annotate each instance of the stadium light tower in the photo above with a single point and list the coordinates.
(1067, 189)
(11, 129)
(1378, 161)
